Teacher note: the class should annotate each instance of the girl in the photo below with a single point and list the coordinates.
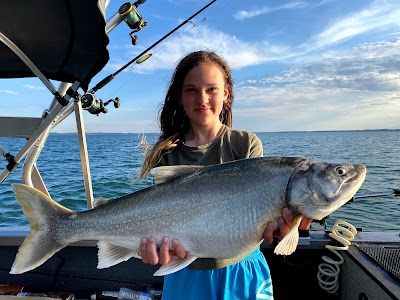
(196, 122)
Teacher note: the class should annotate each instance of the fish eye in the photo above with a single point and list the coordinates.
(341, 171)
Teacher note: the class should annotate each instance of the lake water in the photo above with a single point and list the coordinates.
(115, 160)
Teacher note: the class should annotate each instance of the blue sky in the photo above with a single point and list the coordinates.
(297, 65)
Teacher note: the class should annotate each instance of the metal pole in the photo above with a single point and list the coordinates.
(393, 192)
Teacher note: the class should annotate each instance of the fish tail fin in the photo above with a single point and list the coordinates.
(42, 213)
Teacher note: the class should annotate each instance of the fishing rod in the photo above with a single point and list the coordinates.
(392, 192)
(110, 77)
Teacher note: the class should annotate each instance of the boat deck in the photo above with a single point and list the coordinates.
(74, 269)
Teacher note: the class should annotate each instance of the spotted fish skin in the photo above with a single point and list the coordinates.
(215, 211)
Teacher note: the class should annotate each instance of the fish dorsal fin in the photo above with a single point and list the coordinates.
(168, 173)
(100, 201)
(289, 243)
(175, 265)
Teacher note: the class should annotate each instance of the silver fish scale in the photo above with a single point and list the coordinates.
(194, 209)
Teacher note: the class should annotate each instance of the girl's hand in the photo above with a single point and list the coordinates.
(151, 255)
(284, 224)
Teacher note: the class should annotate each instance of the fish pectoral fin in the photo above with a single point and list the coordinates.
(175, 265)
(289, 243)
(110, 254)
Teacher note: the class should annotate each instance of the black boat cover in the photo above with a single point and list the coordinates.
(65, 39)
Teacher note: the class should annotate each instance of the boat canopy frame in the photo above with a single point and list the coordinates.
(64, 41)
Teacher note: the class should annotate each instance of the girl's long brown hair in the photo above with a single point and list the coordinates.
(173, 121)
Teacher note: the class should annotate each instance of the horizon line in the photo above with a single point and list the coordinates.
(284, 131)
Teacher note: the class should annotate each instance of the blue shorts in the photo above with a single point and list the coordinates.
(247, 279)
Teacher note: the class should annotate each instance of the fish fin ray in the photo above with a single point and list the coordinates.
(169, 173)
(110, 254)
(40, 244)
(175, 265)
(289, 243)
(28, 259)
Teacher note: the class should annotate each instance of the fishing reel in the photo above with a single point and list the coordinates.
(95, 106)
(131, 16)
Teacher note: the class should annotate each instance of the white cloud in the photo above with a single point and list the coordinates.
(368, 67)
(379, 15)
(9, 92)
(237, 52)
(34, 87)
(351, 89)
(248, 14)
(287, 110)
(240, 53)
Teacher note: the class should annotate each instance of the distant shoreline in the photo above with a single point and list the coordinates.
(292, 131)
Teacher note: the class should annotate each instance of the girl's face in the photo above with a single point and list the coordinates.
(203, 94)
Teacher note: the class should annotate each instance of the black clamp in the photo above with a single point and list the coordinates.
(11, 162)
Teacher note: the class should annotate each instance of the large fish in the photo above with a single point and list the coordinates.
(216, 211)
